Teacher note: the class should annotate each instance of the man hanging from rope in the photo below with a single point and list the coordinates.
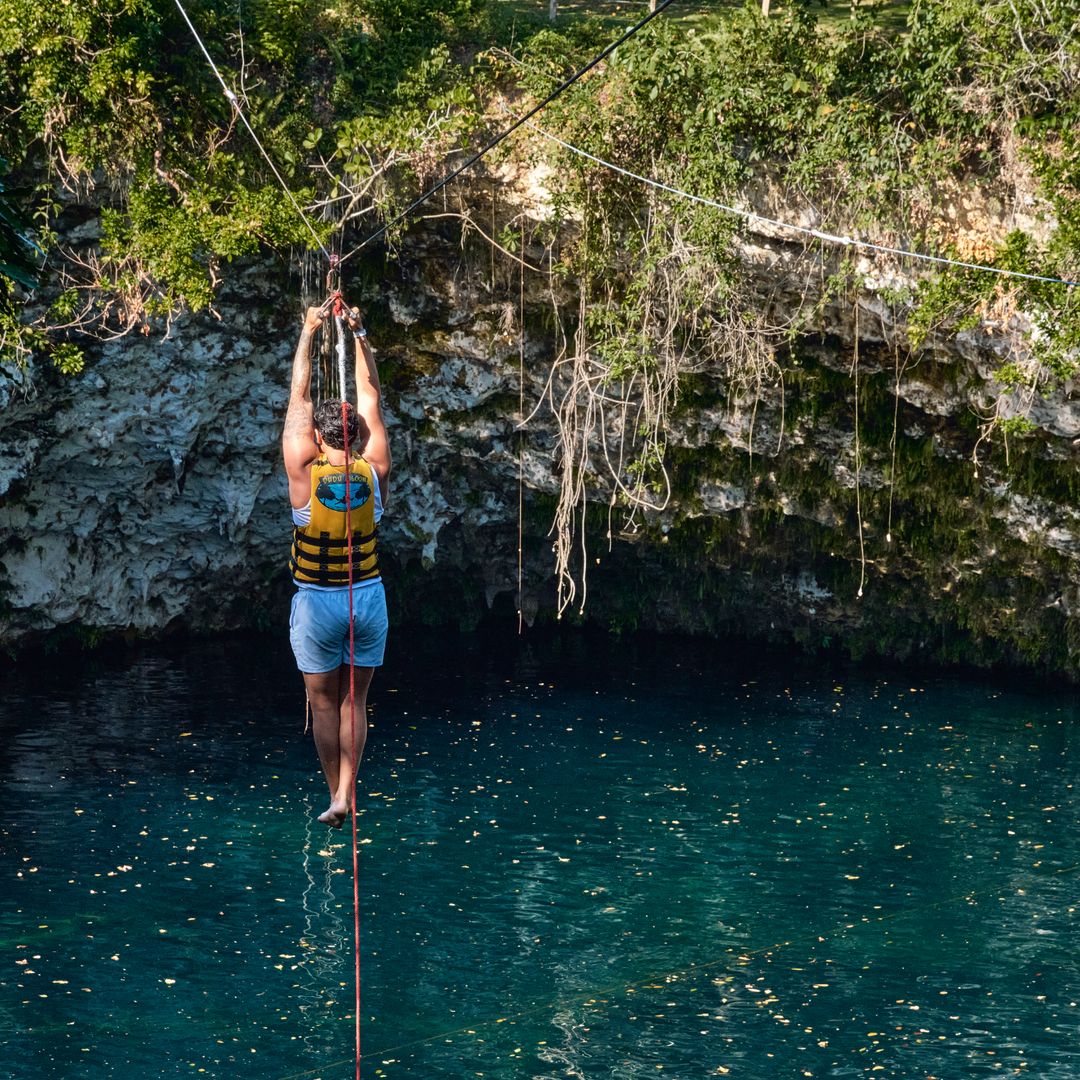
(313, 445)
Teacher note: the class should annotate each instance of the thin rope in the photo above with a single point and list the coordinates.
(817, 234)
(840, 930)
(234, 101)
(899, 370)
(521, 437)
(858, 458)
(493, 142)
(354, 756)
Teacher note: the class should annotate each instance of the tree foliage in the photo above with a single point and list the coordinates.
(360, 102)
(112, 102)
(842, 127)
(859, 131)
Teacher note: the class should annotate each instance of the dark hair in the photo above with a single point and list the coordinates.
(328, 424)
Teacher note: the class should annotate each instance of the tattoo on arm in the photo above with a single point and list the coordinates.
(298, 419)
(301, 370)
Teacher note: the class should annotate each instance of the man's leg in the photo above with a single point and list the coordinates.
(316, 627)
(323, 695)
(347, 754)
(331, 724)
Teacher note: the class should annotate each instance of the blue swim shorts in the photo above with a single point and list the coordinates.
(319, 627)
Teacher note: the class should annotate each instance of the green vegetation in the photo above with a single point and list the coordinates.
(858, 130)
(362, 102)
(889, 15)
(833, 111)
(882, 130)
(355, 103)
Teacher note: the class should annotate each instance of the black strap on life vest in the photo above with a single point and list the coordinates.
(324, 540)
(331, 558)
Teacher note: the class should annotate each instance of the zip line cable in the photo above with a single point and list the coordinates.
(817, 234)
(747, 215)
(493, 142)
(234, 101)
(337, 261)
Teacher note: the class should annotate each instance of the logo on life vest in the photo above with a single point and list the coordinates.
(331, 492)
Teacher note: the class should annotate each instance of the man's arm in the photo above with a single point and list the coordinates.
(298, 446)
(369, 405)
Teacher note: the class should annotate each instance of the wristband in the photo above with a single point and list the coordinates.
(361, 333)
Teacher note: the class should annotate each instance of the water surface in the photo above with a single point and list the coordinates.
(579, 858)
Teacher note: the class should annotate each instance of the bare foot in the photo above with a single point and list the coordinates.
(334, 815)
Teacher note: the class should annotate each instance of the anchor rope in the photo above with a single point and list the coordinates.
(490, 145)
(354, 756)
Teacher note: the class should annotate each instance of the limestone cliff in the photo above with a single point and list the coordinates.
(147, 493)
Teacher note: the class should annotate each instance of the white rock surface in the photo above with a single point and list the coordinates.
(150, 490)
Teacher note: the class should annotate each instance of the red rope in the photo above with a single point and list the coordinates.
(352, 714)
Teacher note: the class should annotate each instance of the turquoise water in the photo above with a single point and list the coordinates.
(580, 859)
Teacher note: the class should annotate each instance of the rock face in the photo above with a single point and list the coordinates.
(148, 493)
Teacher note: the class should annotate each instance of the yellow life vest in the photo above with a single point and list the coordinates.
(320, 549)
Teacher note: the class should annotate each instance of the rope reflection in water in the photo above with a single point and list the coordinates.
(325, 945)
